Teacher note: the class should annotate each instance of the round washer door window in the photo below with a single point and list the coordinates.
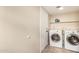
(73, 39)
(55, 37)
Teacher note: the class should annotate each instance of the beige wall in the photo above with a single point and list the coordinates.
(72, 16)
(67, 17)
(19, 29)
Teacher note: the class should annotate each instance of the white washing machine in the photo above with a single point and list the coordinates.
(55, 37)
(72, 40)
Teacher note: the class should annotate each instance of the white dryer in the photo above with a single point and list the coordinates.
(55, 37)
(72, 40)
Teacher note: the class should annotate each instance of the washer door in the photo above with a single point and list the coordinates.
(73, 39)
(55, 37)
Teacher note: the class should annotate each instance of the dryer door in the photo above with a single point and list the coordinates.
(73, 39)
(55, 37)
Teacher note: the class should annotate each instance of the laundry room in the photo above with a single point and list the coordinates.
(63, 25)
(43, 29)
(39, 29)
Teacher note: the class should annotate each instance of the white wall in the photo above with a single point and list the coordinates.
(68, 17)
(43, 28)
(16, 23)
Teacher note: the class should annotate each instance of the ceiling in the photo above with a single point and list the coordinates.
(52, 10)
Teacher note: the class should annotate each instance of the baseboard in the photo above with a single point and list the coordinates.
(44, 48)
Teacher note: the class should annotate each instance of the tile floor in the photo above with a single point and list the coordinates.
(50, 49)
